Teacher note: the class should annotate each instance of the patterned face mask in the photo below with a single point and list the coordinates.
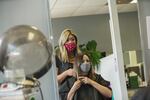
(70, 47)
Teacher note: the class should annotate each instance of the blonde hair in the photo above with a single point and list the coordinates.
(63, 55)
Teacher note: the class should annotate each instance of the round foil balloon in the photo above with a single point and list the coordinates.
(25, 47)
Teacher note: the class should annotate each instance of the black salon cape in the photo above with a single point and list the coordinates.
(85, 92)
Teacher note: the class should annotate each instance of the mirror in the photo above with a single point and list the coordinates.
(89, 19)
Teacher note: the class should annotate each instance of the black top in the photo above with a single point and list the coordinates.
(66, 85)
(142, 94)
(85, 92)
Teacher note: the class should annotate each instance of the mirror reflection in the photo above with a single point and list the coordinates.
(89, 20)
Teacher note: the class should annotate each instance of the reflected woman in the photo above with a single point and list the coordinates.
(89, 86)
(65, 56)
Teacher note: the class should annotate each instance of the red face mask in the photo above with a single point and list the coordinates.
(70, 47)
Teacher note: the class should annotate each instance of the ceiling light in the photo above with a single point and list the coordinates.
(133, 1)
(30, 35)
(123, 1)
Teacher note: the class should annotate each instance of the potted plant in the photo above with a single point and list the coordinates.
(94, 54)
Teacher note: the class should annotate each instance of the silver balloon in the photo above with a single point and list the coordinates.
(25, 47)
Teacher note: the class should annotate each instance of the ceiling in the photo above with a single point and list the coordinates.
(69, 8)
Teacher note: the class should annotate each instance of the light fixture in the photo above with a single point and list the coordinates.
(30, 36)
(123, 1)
(133, 1)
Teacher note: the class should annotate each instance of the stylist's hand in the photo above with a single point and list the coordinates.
(76, 85)
(73, 89)
(85, 80)
(71, 72)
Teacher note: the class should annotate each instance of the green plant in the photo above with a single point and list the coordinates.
(90, 49)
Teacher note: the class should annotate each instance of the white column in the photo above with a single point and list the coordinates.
(118, 84)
